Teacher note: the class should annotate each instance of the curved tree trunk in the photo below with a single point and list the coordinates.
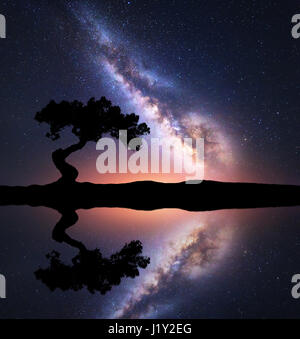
(68, 172)
(68, 219)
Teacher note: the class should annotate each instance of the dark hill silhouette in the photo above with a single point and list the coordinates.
(149, 195)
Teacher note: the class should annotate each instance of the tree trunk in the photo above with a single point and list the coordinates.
(68, 172)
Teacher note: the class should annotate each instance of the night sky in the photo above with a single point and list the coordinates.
(223, 70)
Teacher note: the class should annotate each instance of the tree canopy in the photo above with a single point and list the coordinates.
(89, 122)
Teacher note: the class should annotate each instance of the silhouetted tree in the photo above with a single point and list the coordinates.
(89, 123)
(89, 269)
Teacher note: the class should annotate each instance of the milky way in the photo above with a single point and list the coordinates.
(157, 99)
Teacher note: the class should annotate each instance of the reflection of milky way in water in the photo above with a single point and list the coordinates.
(183, 246)
(188, 256)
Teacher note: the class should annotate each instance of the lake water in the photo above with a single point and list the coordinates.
(221, 264)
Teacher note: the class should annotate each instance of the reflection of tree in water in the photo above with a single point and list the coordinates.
(89, 269)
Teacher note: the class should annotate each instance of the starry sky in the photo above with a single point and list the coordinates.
(226, 71)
